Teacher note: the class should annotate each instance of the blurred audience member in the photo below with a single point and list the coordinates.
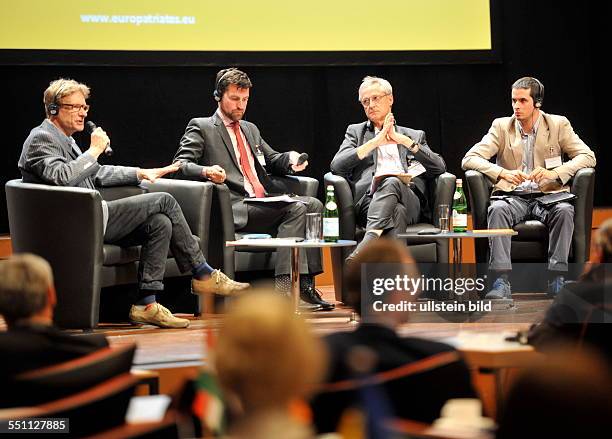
(27, 299)
(267, 360)
(560, 399)
(375, 348)
(582, 312)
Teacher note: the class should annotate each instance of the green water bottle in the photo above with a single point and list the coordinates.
(459, 209)
(331, 220)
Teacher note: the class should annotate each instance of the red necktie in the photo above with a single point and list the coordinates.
(259, 190)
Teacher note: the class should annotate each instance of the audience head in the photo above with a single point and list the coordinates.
(567, 395)
(26, 289)
(265, 355)
(232, 89)
(603, 242)
(376, 97)
(388, 258)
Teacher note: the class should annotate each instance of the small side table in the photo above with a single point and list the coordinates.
(456, 237)
(295, 247)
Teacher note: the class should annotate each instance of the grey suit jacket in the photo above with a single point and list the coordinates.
(50, 157)
(359, 173)
(206, 143)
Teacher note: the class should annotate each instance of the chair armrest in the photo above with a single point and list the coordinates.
(195, 199)
(296, 184)
(222, 230)
(117, 192)
(346, 206)
(444, 190)
(479, 195)
(583, 186)
(64, 225)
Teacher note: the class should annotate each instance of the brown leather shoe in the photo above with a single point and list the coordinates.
(218, 283)
(158, 315)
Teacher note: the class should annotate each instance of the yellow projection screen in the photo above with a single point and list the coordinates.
(247, 27)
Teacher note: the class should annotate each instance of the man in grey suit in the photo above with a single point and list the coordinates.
(224, 148)
(51, 156)
(373, 153)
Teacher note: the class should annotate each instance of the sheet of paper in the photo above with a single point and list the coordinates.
(151, 408)
(276, 199)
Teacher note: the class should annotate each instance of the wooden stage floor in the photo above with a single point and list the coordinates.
(160, 348)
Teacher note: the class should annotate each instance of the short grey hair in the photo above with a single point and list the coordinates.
(59, 89)
(375, 80)
(25, 280)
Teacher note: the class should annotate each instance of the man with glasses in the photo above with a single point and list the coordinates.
(155, 220)
(224, 148)
(372, 156)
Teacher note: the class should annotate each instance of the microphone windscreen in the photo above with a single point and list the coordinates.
(302, 158)
(90, 126)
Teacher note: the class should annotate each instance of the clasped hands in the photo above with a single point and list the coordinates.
(517, 176)
(387, 134)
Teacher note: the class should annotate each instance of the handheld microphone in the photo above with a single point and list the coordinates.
(302, 158)
(90, 129)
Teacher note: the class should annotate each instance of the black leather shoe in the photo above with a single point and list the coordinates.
(309, 307)
(311, 295)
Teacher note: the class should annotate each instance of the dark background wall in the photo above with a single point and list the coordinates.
(145, 109)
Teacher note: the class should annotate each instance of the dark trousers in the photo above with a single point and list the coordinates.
(506, 213)
(286, 220)
(392, 207)
(156, 222)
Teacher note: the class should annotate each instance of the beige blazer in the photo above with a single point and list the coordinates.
(555, 137)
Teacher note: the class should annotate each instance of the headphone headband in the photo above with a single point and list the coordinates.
(538, 97)
(217, 93)
(53, 107)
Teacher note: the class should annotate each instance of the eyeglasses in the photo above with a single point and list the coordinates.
(75, 108)
(373, 100)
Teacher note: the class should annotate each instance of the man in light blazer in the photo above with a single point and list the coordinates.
(51, 156)
(378, 147)
(529, 148)
(224, 148)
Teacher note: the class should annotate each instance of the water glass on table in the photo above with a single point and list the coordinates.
(314, 227)
(444, 217)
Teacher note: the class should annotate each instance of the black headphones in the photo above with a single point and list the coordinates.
(218, 93)
(53, 107)
(538, 96)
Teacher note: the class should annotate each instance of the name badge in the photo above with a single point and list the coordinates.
(553, 162)
(260, 156)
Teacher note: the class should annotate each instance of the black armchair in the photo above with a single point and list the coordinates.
(423, 249)
(241, 259)
(531, 243)
(64, 225)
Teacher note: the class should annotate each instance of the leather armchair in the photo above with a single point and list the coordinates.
(241, 259)
(423, 249)
(531, 243)
(64, 225)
